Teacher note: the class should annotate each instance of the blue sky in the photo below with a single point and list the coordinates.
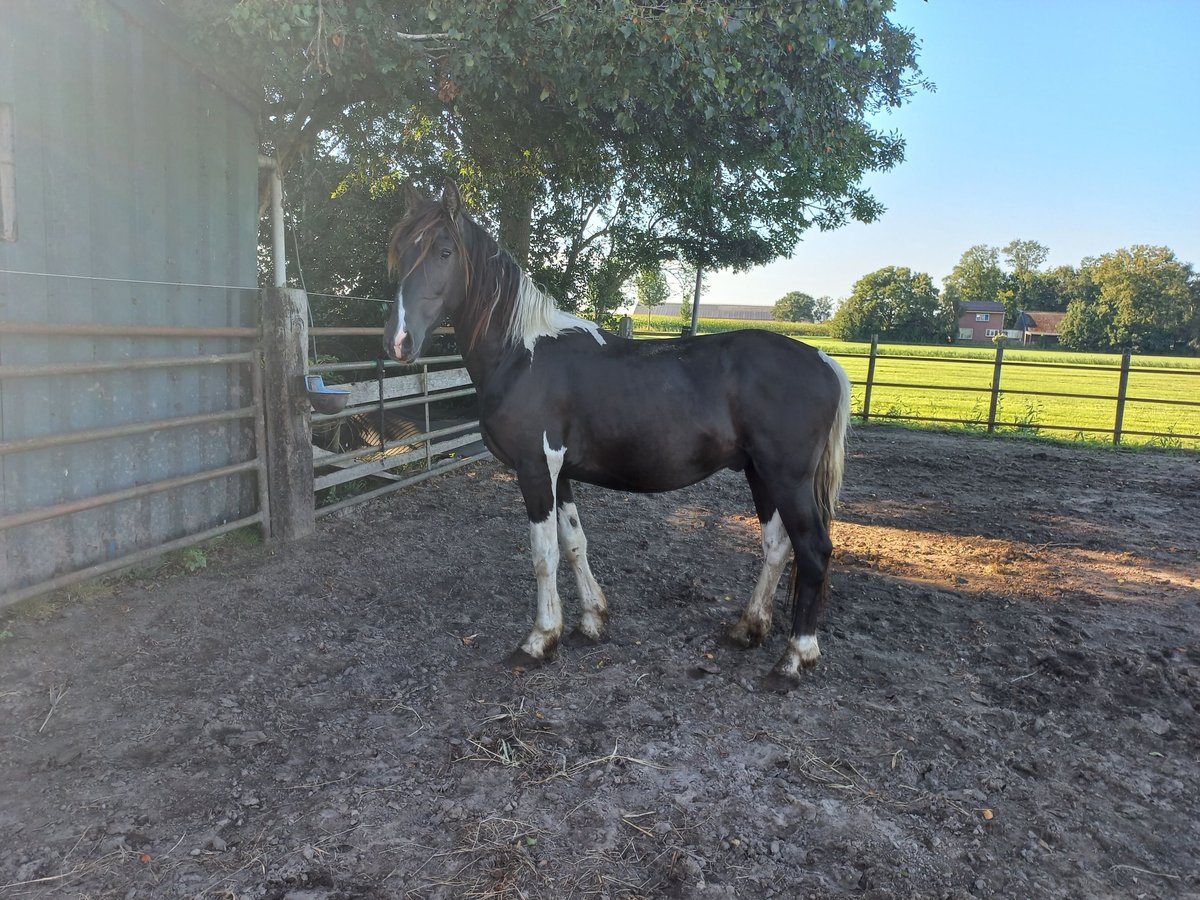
(1076, 124)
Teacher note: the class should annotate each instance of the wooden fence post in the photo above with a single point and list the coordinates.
(1122, 389)
(287, 412)
(995, 388)
(866, 411)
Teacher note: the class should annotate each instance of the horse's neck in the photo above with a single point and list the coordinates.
(481, 353)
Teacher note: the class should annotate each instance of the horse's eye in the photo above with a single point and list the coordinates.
(446, 253)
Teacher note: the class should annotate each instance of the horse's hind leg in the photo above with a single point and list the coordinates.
(573, 542)
(755, 624)
(812, 551)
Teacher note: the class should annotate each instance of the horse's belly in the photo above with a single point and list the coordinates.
(651, 472)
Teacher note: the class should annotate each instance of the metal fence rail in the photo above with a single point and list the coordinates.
(1120, 399)
(62, 511)
(415, 386)
(996, 390)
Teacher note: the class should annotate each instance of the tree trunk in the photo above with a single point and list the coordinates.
(516, 222)
(696, 299)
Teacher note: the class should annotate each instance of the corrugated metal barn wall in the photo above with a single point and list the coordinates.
(129, 165)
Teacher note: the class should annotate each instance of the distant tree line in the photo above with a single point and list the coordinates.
(1142, 298)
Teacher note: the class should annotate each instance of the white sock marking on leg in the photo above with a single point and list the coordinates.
(574, 543)
(757, 616)
(543, 540)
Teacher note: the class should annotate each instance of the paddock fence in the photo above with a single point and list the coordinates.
(401, 421)
(994, 392)
(996, 383)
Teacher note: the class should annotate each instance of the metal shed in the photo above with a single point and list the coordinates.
(130, 411)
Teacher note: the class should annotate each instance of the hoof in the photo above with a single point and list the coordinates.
(577, 637)
(520, 659)
(749, 633)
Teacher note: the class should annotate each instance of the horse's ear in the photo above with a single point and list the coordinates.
(412, 197)
(451, 200)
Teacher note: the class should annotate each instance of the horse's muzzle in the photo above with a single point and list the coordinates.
(400, 347)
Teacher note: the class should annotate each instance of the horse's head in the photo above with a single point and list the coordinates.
(426, 254)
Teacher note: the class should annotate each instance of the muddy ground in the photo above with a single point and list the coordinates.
(1006, 705)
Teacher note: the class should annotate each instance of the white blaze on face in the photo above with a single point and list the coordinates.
(401, 326)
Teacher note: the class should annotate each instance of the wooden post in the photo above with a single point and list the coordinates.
(696, 303)
(1122, 389)
(866, 413)
(995, 405)
(287, 411)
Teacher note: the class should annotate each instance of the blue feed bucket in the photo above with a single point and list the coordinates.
(325, 399)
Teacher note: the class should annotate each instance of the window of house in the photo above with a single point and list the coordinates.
(983, 317)
(992, 332)
(8, 185)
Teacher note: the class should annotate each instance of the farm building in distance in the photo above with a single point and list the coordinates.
(1036, 327)
(980, 320)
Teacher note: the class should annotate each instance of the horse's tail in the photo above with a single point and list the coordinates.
(833, 460)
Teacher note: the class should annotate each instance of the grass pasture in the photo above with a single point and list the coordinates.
(1092, 378)
(955, 383)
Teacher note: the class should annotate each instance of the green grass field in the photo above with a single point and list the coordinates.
(943, 371)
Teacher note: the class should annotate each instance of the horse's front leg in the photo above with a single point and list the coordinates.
(573, 542)
(538, 478)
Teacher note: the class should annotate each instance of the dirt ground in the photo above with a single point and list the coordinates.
(1006, 705)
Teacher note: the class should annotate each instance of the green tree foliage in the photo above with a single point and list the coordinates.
(895, 303)
(597, 137)
(652, 288)
(1025, 257)
(1082, 328)
(1025, 287)
(1144, 299)
(977, 277)
(1061, 285)
(796, 306)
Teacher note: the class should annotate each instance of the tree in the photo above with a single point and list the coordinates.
(1147, 299)
(895, 303)
(715, 133)
(1082, 327)
(1024, 286)
(795, 306)
(652, 288)
(977, 277)
(1062, 285)
(1141, 298)
(1025, 257)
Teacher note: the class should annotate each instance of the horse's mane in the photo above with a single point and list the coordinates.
(497, 290)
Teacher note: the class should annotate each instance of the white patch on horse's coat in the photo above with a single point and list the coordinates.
(535, 315)
(543, 539)
(755, 623)
(801, 651)
(574, 543)
(401, 332)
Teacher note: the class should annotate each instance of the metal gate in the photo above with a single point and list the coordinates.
(154, 443)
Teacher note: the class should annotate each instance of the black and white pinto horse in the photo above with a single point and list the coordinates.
(561, 400)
